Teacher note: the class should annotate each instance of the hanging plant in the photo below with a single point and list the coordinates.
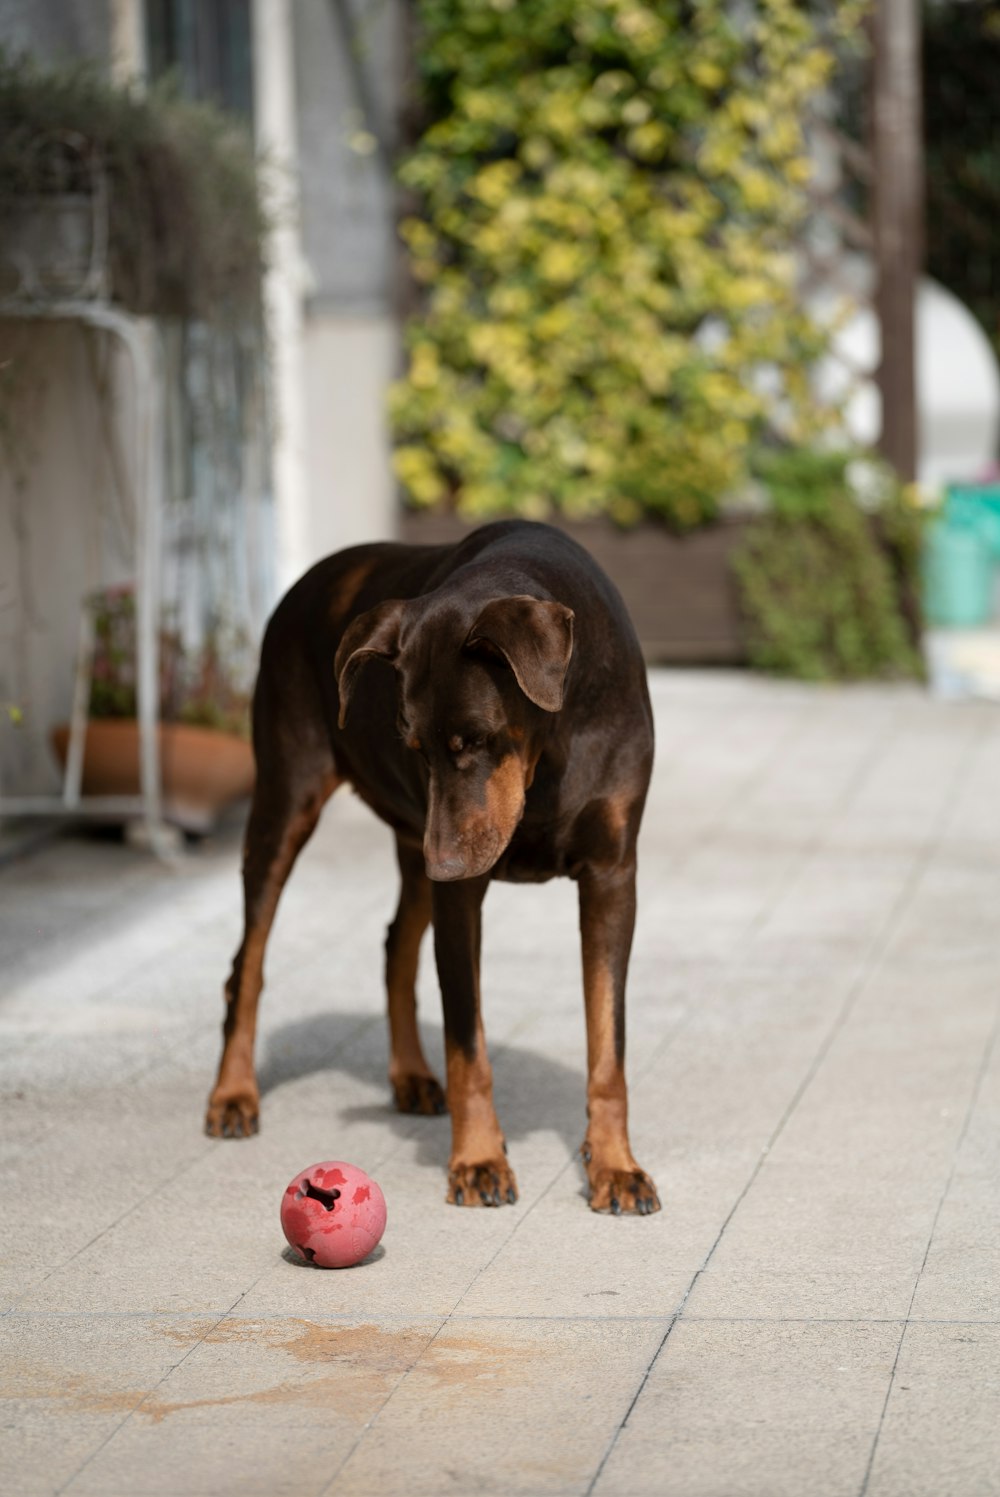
(184, 221)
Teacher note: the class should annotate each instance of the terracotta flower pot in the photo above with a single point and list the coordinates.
(202, 770)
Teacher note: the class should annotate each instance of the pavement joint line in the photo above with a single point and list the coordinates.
(984, 1065)
(878, 946)
(315, 1317)
(370, 1423)
(110, 1226)
(148, 1394)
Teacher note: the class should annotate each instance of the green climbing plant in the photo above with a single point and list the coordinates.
(606, 197)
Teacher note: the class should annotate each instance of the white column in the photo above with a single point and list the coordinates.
(277, 139)
(128, 41)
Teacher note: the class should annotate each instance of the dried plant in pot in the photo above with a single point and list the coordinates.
(206, 761)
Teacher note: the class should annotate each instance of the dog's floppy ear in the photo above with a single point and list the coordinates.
(535, 637)
(373, 633)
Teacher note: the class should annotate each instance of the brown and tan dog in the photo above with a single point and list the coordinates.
(488, 700)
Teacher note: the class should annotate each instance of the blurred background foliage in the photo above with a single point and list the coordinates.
(828, 577)
(961, 81)
(606, 197)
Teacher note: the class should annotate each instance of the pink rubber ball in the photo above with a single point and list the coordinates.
(333, 1214)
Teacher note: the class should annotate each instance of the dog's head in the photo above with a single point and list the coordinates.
(475, 689)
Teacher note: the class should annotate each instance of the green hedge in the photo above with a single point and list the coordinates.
(829, 577)
(607, 195)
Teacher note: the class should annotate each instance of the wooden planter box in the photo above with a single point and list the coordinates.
(678, 590)
(201, 769)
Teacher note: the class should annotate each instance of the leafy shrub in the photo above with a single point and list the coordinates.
(186, 225)
(608, 193)
(828, 578)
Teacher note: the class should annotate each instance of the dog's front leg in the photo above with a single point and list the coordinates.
(478, 1172)
(607, 920)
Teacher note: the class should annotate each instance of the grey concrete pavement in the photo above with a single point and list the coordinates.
(815, 1074)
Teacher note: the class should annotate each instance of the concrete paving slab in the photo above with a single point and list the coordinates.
(846, 1200)
(961, 1275)
(466, 1418)
(745, 1409)
(940, 1436)
(316, 1384)
(68, 1382)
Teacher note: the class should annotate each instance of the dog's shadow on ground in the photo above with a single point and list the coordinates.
(532, 1091)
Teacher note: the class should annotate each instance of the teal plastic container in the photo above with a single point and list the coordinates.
(957, 574)
(976, 506)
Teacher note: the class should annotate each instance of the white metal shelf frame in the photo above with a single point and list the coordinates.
(139, 336)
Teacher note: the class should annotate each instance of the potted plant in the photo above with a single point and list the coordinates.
(206, 761)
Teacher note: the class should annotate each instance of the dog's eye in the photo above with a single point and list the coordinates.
(463, 743)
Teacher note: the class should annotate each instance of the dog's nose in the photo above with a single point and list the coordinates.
(446, 870)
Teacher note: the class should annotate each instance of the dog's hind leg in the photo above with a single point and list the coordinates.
(414, 1085)
(295, 778)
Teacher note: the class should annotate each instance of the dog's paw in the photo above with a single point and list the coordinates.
(628, 1191)
(420, 1094)
(233, 1114)
(489, 1184)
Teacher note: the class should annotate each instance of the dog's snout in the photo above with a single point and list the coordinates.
(445, 870)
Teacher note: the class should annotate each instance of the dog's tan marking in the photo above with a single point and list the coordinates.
(349, 587)
(414, 1085)
(607, 908)
(234, 1105)
(478, 1166)
(505, 796)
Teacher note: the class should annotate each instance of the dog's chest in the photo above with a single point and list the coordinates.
(537, 852)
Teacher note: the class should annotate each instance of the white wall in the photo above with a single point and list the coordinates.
(349, 362)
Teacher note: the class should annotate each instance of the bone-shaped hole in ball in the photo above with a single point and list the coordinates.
(326, 1198)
